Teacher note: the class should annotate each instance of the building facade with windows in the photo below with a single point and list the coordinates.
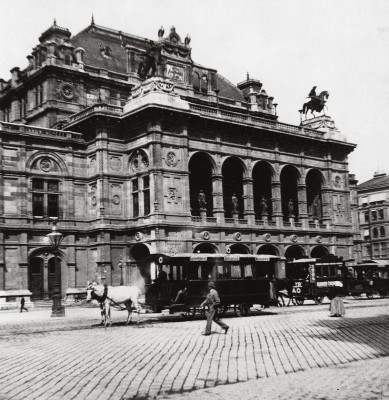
(373, 201)
(137, 150)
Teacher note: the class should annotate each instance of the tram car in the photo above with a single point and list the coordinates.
(313, 279)
(242, 280)
(369, 278)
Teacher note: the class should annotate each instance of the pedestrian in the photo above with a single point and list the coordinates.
(213, 303)
(336, 304)
(22, 301)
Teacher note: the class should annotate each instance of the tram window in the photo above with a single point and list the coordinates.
(221, 271)
(236, 271)
(326, 271)
(260, 270)
(206, 272)
(248, 271)
(332, 270)
(318, 270)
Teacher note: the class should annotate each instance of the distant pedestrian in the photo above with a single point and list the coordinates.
(336, 305)
(213, 302)
(22, 301)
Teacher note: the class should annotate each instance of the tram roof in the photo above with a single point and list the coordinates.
(374, 263)
(211, 256)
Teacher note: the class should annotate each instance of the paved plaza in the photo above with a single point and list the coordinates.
(279, 353)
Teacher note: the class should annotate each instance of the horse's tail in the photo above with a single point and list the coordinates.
(305, 108)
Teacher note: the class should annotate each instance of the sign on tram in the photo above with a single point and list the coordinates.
(198, 257)
(231, 257)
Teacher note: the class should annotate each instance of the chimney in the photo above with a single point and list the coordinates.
(14, 75)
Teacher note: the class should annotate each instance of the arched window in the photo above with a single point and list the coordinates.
(196, 82)
(382, 231)
(375, 233)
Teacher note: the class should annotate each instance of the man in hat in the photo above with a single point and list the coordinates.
(213, 302)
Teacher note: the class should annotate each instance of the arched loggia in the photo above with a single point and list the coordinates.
(200, 184)
(262, 178)
(319, 252)
(314, 183)
(294, 252)
(232, 172)
(289, 198)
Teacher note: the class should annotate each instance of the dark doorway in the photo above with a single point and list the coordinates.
(36, 278)
(53, 274)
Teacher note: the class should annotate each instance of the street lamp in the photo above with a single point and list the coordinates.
(55, 238)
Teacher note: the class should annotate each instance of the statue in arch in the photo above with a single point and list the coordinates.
(290, 209)
(263, 207)
(202, 200)
(316, 207)
(234, 201)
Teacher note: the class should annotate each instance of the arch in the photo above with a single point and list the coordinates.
(294, 252)
(268, 249)
(35, 277)
(289, 178)
(201, 168)
(54, 158)
(233, 172)
(204, 84)
(319, 252)
(238, 248)
(263, 175)
(139, 273)
(205, 248)
(139, 251)
(314, 182)
(138, 161)
(196, 81)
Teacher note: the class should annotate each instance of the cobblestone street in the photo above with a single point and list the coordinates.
(283, 353)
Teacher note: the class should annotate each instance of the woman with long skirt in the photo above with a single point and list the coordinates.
(336, 305)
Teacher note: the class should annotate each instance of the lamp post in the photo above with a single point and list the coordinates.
(55, 238)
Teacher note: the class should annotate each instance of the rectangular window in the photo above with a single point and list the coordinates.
(366, 217)
(37, 205)
(381, 214)
(374, 215)
(135, 198)
(44, 201)
(52, 205)
(146, 195)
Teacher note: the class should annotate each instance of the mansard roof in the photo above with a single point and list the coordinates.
(380, 181)
(95, 38)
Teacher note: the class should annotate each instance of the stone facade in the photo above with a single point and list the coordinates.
(373, 201)
(116, 136)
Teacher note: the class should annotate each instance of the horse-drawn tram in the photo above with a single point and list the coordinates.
(369, 278)
(313, 279)
(242, 280)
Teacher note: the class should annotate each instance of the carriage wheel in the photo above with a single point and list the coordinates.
(299, 301)
(222, 311)
(383, 294)
(241, 310)
(189, 312)
(369, 295)
(318, 300)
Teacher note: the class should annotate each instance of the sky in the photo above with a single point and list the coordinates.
(289, 45)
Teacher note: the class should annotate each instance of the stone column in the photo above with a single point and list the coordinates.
(276, 202)
(217, 194)
(326, 197)
(302, 204)
(248, 200)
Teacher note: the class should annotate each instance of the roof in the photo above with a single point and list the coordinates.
(377, 182)
(94, 39)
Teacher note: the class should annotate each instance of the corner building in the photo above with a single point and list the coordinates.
(116, 136)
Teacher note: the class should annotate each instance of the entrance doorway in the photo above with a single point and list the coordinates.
(41, 284)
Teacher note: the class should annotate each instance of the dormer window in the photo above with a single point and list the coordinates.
(106, 51)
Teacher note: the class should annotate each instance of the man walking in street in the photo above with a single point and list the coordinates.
(22, 301)
(213, 302)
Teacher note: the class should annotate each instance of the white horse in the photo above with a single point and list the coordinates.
(116, 297)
